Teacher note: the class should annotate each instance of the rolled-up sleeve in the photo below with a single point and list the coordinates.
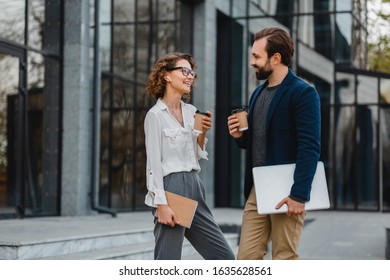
(154, 174)
(202, 153)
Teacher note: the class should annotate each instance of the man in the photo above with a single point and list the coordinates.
(284, 127)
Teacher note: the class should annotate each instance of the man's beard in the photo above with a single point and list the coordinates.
(264, 72)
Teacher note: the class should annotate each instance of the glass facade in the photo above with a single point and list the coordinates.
(30, 68)
(330, 37)
(331, 54)
(133, 34)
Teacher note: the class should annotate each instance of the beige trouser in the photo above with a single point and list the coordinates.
(258, 230)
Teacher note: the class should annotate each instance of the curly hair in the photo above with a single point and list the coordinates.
(156, 83)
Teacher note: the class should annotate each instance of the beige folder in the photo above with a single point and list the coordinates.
(183, 207)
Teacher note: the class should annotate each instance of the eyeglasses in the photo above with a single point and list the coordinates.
(184, 70)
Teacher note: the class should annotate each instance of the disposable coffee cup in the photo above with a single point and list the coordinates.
(242, 118)
(198, 126)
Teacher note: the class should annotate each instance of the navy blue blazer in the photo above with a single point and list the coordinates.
(292, 133)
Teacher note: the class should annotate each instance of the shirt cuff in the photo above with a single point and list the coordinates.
(155, 197)
(202, 153)
(297, 198)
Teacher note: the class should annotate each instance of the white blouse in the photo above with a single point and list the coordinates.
(169, 148)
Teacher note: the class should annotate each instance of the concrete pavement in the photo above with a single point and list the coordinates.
(334, 235)
(327, 235)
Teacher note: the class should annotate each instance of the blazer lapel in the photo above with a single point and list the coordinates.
(278, 95)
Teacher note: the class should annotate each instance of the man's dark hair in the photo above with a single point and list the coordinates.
(278, 41)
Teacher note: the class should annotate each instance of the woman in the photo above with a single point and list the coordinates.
(173, 150)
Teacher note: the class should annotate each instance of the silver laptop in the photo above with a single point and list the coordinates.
(273, 183)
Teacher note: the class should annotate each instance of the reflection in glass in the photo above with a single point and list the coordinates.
(123, 99)
(36, 192)
(359, 45)
(143, 41)
(343, 38)
(367, 157)
(345, 5)
(167, 38)
(36, 70)
(239, 8)
(367, 89)
(104, 189)
(124, 10)
(12, 20)
(345, 157)
(9, 77)
(306, 31)
(36, 23)
(123, 52)
(105, 35)
(166, 10)
(385, 90)
(344, 88)
(121, 161)
(123, 95)
(385, 135)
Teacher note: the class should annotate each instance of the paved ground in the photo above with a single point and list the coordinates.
(335, 235)
(327, 235)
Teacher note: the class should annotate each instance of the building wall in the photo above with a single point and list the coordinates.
(360, 98)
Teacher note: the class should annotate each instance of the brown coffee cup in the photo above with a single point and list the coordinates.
(198, 126)
(241, 115)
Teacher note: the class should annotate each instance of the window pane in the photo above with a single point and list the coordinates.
(166, 10)
(385, 91)
(143, 52)
(124, 11)
(239, 7)
(385, 135)
(359, 44)
(367, 157)
(140, 179)
(12, 20)
(9, 77)
(143, 10)
(36, 23)
(345, 5)
(344, 157)
(344, 88)
(122, 158)
(105, 92)
(167, 40)
(36, 70)
(105, 35)
(123, 95)
(306, 31)
(367, 90)
(343, 34)
(123, 52)
(104, 188)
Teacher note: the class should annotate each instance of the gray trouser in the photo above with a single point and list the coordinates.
(204, 234)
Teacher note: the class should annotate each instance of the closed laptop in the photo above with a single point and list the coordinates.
(273, 183)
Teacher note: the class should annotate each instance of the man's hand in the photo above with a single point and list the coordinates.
(233, 125)
(166, 216)
(294, 207)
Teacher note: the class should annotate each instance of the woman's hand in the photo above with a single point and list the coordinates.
(206, 122)
(166, 216)
(206, 125)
